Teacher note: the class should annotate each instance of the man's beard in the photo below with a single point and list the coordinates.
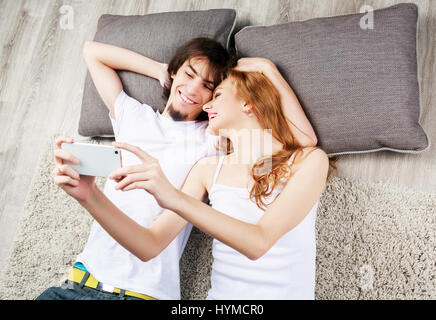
(176, 115)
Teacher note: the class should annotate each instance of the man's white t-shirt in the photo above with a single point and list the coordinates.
(177, 145)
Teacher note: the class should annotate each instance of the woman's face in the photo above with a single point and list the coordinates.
(226, 109)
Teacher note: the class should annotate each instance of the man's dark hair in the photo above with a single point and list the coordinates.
(218, 57)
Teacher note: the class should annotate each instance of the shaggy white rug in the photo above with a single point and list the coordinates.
(374, 241)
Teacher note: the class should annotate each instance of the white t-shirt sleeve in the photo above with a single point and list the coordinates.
(127, 111)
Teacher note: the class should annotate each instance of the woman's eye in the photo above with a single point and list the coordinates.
(216, 95)
(189, 75)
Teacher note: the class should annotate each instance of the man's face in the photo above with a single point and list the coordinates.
(192, 87)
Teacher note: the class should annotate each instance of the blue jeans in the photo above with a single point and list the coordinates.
(72, 291)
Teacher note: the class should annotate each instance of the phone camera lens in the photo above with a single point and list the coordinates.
(116, 152)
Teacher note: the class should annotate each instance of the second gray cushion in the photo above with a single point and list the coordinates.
(358, 87)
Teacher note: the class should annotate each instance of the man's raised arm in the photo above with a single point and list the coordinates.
(103, 59)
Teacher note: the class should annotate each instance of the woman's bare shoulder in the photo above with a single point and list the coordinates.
(207, 162)
(205, 168)
(310, 156)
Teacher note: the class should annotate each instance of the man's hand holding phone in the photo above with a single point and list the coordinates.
(78, 186)
(78, 178)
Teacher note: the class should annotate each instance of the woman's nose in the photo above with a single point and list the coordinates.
(206, 106)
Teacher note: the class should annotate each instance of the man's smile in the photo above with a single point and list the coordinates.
(186, 99)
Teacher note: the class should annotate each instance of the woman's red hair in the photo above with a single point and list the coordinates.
(259, 92)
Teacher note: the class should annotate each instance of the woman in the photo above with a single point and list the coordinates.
(262, 212)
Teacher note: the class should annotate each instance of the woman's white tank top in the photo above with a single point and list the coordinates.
(286, 271)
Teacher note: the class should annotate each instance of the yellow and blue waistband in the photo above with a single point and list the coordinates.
(79, 274)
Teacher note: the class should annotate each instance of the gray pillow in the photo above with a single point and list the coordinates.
(358, 87)
(156, 36)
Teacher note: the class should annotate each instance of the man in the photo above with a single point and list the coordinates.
(106, 269)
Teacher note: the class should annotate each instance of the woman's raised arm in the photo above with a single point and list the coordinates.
(300, 126)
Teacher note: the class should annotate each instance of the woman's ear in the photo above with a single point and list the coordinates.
(247, 110)
(246, 107)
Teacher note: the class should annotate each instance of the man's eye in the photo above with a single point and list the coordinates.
(208, 87)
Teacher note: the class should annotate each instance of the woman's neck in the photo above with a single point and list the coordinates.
(251, 144)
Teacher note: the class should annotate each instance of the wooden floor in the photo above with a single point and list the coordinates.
(42, 75)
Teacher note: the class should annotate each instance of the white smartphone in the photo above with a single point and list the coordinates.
(94, 160)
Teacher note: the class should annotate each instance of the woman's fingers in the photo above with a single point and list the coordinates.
(124, 171)
(253, 64)
(132, 178)
(244, 64)
(147, 162)
(135, 176)
(138, 185)
(141, 154)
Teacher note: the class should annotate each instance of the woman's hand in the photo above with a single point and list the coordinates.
(148, 176)
(262, 65)
(77, 186)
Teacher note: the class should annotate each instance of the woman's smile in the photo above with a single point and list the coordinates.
(212, 115)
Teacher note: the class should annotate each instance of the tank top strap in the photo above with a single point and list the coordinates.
(218, 169)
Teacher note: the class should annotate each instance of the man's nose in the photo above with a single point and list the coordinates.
(194, 86)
